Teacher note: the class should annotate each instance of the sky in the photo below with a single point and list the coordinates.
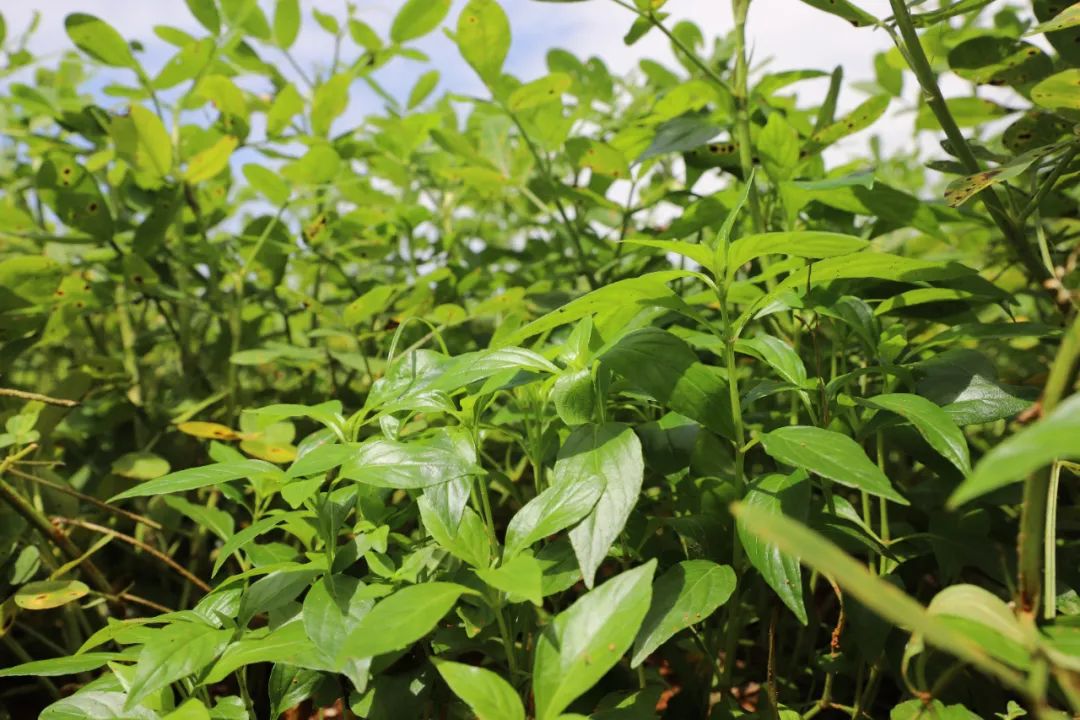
(793, 35)
(783, 35)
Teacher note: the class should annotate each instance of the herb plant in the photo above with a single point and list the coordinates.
(583, 396)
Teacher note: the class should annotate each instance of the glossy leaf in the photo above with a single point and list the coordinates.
(198, 477)
(587, 639)
(831, 455)
(659, 363)
(778, 494)
(560, 506)
(933, 423)
(400, 619)
(487, 695)
(1051, 438)
(683, 596)
(611, 452)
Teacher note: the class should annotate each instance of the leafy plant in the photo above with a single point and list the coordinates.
(535, 403)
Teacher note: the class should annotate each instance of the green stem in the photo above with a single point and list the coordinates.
(1047, 185)
(1050, 545)
(740, 8)
(677, 43)
(47, 530)
(920, 65)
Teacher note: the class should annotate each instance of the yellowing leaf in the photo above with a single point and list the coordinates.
(208, 430)
(210, 161)
(49, 594)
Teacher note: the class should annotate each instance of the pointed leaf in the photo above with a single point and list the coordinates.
(401, 619)
(830, 455)
(778, 494)
(588, 639)
(1052, 438)
(683, 596)
(487, 695)
(933, 423)
(610, 451)
(556, 508)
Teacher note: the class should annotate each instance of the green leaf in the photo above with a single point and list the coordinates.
(417, 18)
(153, 154)
(395, 464)
(879, 596)
(830, 455)
(487, 695)
(778, 354)
(330, 101)
(778, 494)
(53, 667)
(205, 11)
(1058, 92)
(140, 466)
(1067, 18)
(575, 398)
(49, 594)
(541, 91)
(933, 423)
(778, 148)
(198, 477)
(683, 596)
(174, 652)
(269, 184)
(799, 243)
(401, 619)
(286, 22)
(260, 646)
(211, 161)
(99, 40)
(319, 460)
(556, 508)
(679, 135)
(519, 578)
(483, 38)
(610, 451)
(987, 620)
(645, 291)
(424, 86)
(333, 609)
(658, 363)
(286, 105)
(1051, 438)
(192, 709)
(469, 541)
(587, 639)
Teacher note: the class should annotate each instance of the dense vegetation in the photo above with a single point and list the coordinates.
(593, 396)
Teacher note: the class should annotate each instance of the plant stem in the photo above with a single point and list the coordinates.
(1037, 506)
(1047, 185)
(157, 554)
(920, 65)
(36, 397)
(740, 8)
(89, 499)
